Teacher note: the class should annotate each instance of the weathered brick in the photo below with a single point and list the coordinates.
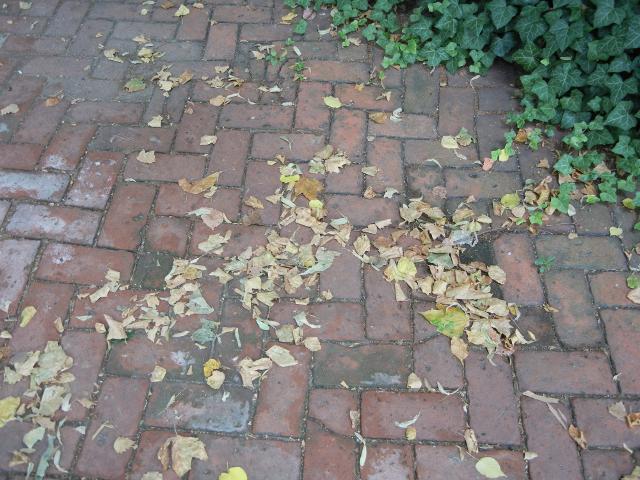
(493, 408)
(40, 124)
(126, 217)
(68, 146)
(434, 361)
(576, 321)
(194, 27)
(106, 112)
(130, 139)
(85, 313)
(281, 402)
(498, 100)
(443, 462)
(441, 416)
(14, 274)
(67, 18)
(462, 183)
(168, 234)
(562, 372)
(361, 211)
(421, 90)
(85, 42)
(388, 461)
(411, 126)
(37, 186)
(256, 116)
(456, 109)
(310, 109)
(606, 465)
(557, 452)
(67, 224)
(386, 155)
(513, 253)
(197, 407)
(120, 403)
(583, 253)
(261, 180)
(382, 306)
(368, 98)
(95, 180)
(348, 133)
(600, 427)
(419, 151)
(421, 181)
(242, 14)
(623, 334)
(221, 44)
(21, 157)
(344, 277)
(333, 71)
(152, 30)
(86, 265)
(303, 145)
(491, 130)
(338, 320)
(172, 200)
(193, 126)
(349, 181)
(321, 446)
(537, 321)
(331, 408)
(229, 156)
(167, 167)
(610, 289)
(366, 365)
(267, 32)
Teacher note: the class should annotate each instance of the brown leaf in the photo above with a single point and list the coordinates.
(309, 187)
(578, 436)
(206, 184)
(378, 117)
(633, 419)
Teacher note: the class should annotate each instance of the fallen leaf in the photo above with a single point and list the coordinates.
(378, 117)
(634, 295)
(8, 408)
(206, 184)
(497, 274)
(122, 444)
(134, 85)
(179, 452)
(510, 200)
(578, 436)
(155, 122)
(281, 356)
(332, 102)
(218, 100)
(253, 202)
(216, 379)
(234, 473)
(459, 348)
(371, 171)
(489, 467)
(208, 140)
(312, 344)
(615, 231)
(27, 314)
(11, 108)
(158, 374)
(618, 410)
(288, 18)
(146, 157)
(414, 382)
(51, 101)
(410, 433)
(471, 441)
(450, 322)
(309, 187)
(464, 138)
(210, 366)
(182, 11)
(633, 419)
(449, 142)
(112, 54)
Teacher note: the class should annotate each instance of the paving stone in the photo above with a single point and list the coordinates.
(67, 224)
(582, 253)
(443, 462)
(321, 446)
(331, 409)
(602, 428)
(623, 334)
(14, 274)
(606, 465)
(514, 254)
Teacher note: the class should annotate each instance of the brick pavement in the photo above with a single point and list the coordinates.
(75, 202)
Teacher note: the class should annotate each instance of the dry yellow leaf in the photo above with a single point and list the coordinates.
(182, 11)
(122, 444)
(27, 314)
(179, 452)
(146, 157)
(578, 436)
(309, 187)
(378, 117)
(253, 202)
(206, 184)
(210, 366)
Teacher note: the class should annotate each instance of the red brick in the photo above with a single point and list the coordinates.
(66, 224)
(67, 18)
(386, 155)
(455, 110)
(493, 407)
(120, 403)
(146, 455)
(557, 452)
(361, 211)
(281, 402)
(610, 289)
(500, 100)
(582, 253)
(418, 151)
(242, 14)
(261, 181)
(328, 456)
(14, 274)
(152, 30)
(443, 462)
(366, 365)
(172, 200)
(339, 321)
(333, 71)
(85, 265)
(600, 427)
(197, 407)
(421, 181)
(385, 461)
(490, 136)
(311, 112)
(344, 277)
(623, 334)
(606, 465)
(421, 90)
(113, 305)
(36, 186)
(411, 126)
(462, 183)
(221, 44)
(367, 98)
(434, 361)
(348, 181)
(348, 133)
(87, 350)
(95, 180)
(331, 408)
(167, 167)
(168, 234)
(68, 146)
(127, 216)
(242, 237)
(513, 253)
(561, 372)
(51, 301)
(441, 416)
(256, 116)
(133, 139)
(256, 456)
(194, 27)
(236, 316)
(85, 43)
(382, 307)
(229, 156)
(40, 124)
(303, 145)
(106, 112)
(576, 322)
(22, 157)
(193, 126)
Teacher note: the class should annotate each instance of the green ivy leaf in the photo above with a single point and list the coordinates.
(621, 117)
(607, 14)
(300, 27)
(501, 13)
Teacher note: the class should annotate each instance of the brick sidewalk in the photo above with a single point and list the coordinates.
(74, 202)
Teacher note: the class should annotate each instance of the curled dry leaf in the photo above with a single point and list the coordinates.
(158, 374)
(378, 117)
(182, 11)
(146, 157)
(634, 295)
(578, 436)
(253, 202)
(618, 410)
(410, 433)
(206, 185)
(312, 344)
(471, 441)
(281, 356)
(414, 382)
(8, 408)
(27, 314)
(208, 140)
(122, 444)
(633, 419)
(11, 108)
(216, 379)
(178, 452)
(497, 274)
(155, 122)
